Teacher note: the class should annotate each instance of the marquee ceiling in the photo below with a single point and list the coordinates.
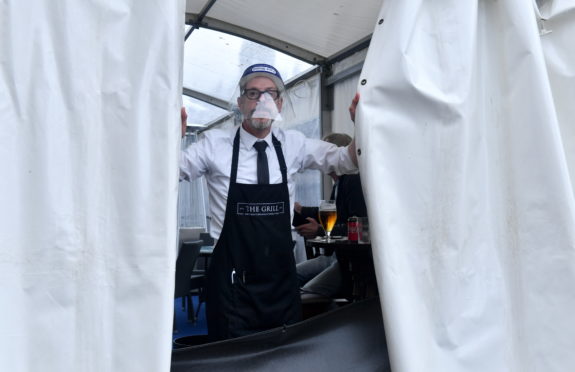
(312, 30)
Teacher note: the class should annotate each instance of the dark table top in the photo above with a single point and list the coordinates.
(337, 243)
(341, 246)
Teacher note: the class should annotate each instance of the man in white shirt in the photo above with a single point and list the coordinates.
(252, 284)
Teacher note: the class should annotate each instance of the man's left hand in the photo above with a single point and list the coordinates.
(353, 107)
(184, 117)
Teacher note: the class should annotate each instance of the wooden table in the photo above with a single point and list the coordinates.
(356, 264)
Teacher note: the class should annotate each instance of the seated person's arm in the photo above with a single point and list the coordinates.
(311, 229)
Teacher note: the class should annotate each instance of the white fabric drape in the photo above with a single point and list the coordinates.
(466, 130)
(89, 109)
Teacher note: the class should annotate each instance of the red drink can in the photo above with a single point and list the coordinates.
(353, 228)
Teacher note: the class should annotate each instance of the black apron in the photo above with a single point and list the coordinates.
(252, 283)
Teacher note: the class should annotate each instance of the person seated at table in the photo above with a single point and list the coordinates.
(321, 275)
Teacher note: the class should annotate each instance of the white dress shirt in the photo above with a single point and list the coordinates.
(211, 157)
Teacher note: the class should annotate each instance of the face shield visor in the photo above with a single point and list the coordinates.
(261, 98)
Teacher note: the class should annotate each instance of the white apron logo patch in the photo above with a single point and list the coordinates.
(260, 209)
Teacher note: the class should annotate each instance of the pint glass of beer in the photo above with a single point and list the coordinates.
(327, 216)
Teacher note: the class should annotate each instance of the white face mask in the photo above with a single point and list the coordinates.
(265, 113)
(266, 108)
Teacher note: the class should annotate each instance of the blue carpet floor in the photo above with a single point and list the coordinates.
(189, 328)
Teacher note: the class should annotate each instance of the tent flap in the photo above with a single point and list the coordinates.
(463, 123)
(87, 229)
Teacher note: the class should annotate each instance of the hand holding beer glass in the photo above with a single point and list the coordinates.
(327, 216)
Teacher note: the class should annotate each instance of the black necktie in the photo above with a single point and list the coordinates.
(263, 172)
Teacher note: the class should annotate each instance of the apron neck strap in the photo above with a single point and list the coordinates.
(280, 155)
(236, 153)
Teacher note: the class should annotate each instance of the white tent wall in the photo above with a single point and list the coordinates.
(461, 129)
(90, 95)
(343, 92)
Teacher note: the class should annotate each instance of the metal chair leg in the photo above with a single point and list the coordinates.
(191, 314)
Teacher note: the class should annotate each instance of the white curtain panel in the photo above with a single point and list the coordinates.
(466, 132)
(89, 110)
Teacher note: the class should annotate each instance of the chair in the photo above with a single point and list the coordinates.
(185, 264)
(198, 280)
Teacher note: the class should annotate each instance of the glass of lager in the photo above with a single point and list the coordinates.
(327, 216)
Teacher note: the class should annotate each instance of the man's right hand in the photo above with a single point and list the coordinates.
(184, 117)
(308, 230)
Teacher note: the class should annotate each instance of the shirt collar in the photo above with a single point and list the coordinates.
(247, 140)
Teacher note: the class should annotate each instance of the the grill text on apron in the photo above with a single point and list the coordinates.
(260, 209)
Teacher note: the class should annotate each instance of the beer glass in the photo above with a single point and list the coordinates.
(327, 216)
